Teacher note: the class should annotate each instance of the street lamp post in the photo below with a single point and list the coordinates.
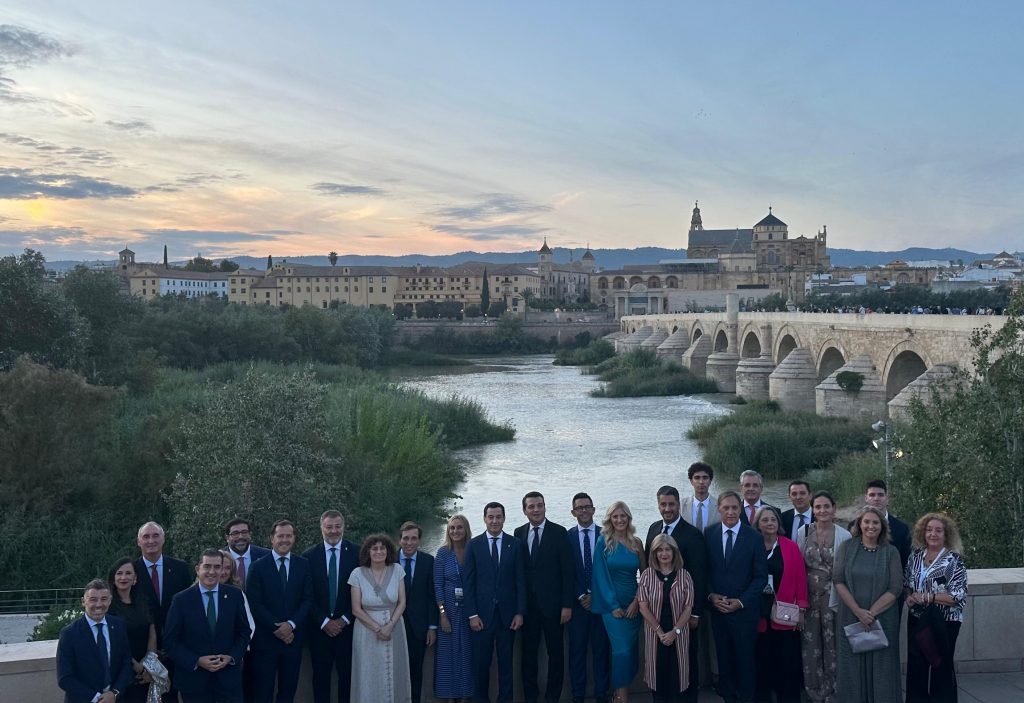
(886, 429)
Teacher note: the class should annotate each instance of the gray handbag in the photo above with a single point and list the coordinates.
(869, 640)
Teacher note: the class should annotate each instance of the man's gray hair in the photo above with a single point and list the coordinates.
(151, 523)
(751, 473)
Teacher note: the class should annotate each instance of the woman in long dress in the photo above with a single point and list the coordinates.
(380, 656)
(665, 595)
(936, 587)
(129, 603)
(618, 557)
(453, 663)
(868, 579)
(819, 542)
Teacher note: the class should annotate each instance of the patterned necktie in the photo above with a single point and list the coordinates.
(750, 514)
(588, 559)
(101, 643)
(241, 572)
(283, 571)
(728, 545)
(155, 578)
(700, 516)
(332, 578)
(494, 550)
(211, 611)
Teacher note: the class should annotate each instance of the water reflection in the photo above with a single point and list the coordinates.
(566, 442)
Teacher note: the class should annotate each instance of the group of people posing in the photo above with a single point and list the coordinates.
(765, 603)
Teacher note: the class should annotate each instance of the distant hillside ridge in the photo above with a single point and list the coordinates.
(608, 259)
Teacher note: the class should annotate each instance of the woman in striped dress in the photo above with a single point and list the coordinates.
(453, 663)
(665, 596)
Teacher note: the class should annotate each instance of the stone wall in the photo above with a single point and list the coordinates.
(562, 331)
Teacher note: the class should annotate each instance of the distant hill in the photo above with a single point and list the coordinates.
(606, 258)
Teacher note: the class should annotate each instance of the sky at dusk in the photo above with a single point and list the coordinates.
(435, 127)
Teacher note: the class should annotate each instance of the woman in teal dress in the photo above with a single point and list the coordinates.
(618, 558)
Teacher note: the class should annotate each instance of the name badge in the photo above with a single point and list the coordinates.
(458, 594)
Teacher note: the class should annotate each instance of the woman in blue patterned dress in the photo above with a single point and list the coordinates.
(453, 663)
(618, 558)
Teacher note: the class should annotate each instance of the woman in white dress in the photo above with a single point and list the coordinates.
(380, 657)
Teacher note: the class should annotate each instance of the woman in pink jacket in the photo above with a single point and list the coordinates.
(778, 645)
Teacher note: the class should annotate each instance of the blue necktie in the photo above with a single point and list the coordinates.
(494, 550)
(588, 559)
(728, 545)
(408, 572)
(332, 579)
(211, 611)
(101, 642)
(283, 571)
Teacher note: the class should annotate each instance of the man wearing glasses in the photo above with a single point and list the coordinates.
(239, 536)
(586, 629)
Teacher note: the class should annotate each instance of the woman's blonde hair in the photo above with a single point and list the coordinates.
(666, 540)
(608, 532)
(883, 536)
(952, 534)
(447, 538)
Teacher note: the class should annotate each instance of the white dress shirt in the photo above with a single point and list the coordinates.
(704, 505)
(808, 516)
(533, 534)
(159, 572)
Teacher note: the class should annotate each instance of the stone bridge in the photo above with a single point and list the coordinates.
(797, 358)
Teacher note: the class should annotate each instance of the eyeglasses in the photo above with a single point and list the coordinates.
(585, 508)
(238, 533)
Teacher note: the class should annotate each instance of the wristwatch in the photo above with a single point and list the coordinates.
(679, 632)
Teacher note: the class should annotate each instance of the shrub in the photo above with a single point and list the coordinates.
(590, 355)
(53, 622)
(641, 373)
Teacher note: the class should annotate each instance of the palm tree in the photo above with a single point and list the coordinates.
(333, 258)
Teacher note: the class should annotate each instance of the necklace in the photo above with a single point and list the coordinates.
(866, 548)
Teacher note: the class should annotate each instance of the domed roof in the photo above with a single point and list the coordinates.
(771, 221)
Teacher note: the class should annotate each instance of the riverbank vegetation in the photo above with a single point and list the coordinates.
(114, 412)
(504, 337)
(641, 373)
(779, 444)
(590, 355)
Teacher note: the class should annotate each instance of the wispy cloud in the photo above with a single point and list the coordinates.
(493, 205)
(202, 236)
(492, 232)
(130, 126)
(25, 184)
(326, 188)
(193, 180)
(22, 48)
(57, 156)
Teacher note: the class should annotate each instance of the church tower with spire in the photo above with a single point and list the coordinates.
(696, 225)
(546, 257)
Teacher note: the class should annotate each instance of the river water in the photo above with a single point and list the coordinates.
(566, 442)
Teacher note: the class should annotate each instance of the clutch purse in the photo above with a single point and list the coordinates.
(869, 640)
(787, 614)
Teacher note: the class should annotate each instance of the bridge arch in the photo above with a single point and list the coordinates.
(696, 332)
(721, 341)
(906, 361)
(751, 346)
(786, 340)
(830, 359)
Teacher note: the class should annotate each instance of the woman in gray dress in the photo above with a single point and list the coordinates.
(868, 579)
(380, 655)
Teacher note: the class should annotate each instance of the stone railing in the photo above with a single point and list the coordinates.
(989, 642)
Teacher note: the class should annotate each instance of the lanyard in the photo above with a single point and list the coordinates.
(925, 572)
(770, 553)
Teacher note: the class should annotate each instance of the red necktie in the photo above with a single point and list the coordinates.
(156, 581)
(750, 513)
(241, 572)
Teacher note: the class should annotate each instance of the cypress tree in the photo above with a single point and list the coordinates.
(485, 295)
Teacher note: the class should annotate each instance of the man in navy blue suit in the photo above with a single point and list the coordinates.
(495, 586)
(877, 495)
(206, 635)
(330, 617)
(238, 534)
(550, 577)
(94, 662)
(280, 595)
(738, 575)
(586, 628)
(421, 615)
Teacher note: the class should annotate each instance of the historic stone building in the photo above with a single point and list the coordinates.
(753, 262)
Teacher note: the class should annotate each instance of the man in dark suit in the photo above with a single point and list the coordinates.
(695, 560)
(420, 603)
(877, 495)
(94, 661)
(752, 486)
(238, 534)
(586, 628)
(330, 620)
(738, 575)
(548, 566)
(495, 585)
(161, 578)
(206, 634)
(800, 514)
(280, 596)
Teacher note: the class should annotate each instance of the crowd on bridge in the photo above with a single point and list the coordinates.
(725, 591)
(907, 310)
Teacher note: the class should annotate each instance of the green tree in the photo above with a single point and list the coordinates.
(35, 319)
(98, 298)
(485, 296)
(333, 258)
(198, 263)
(227, 266)
(963, 451)
(260, 442)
